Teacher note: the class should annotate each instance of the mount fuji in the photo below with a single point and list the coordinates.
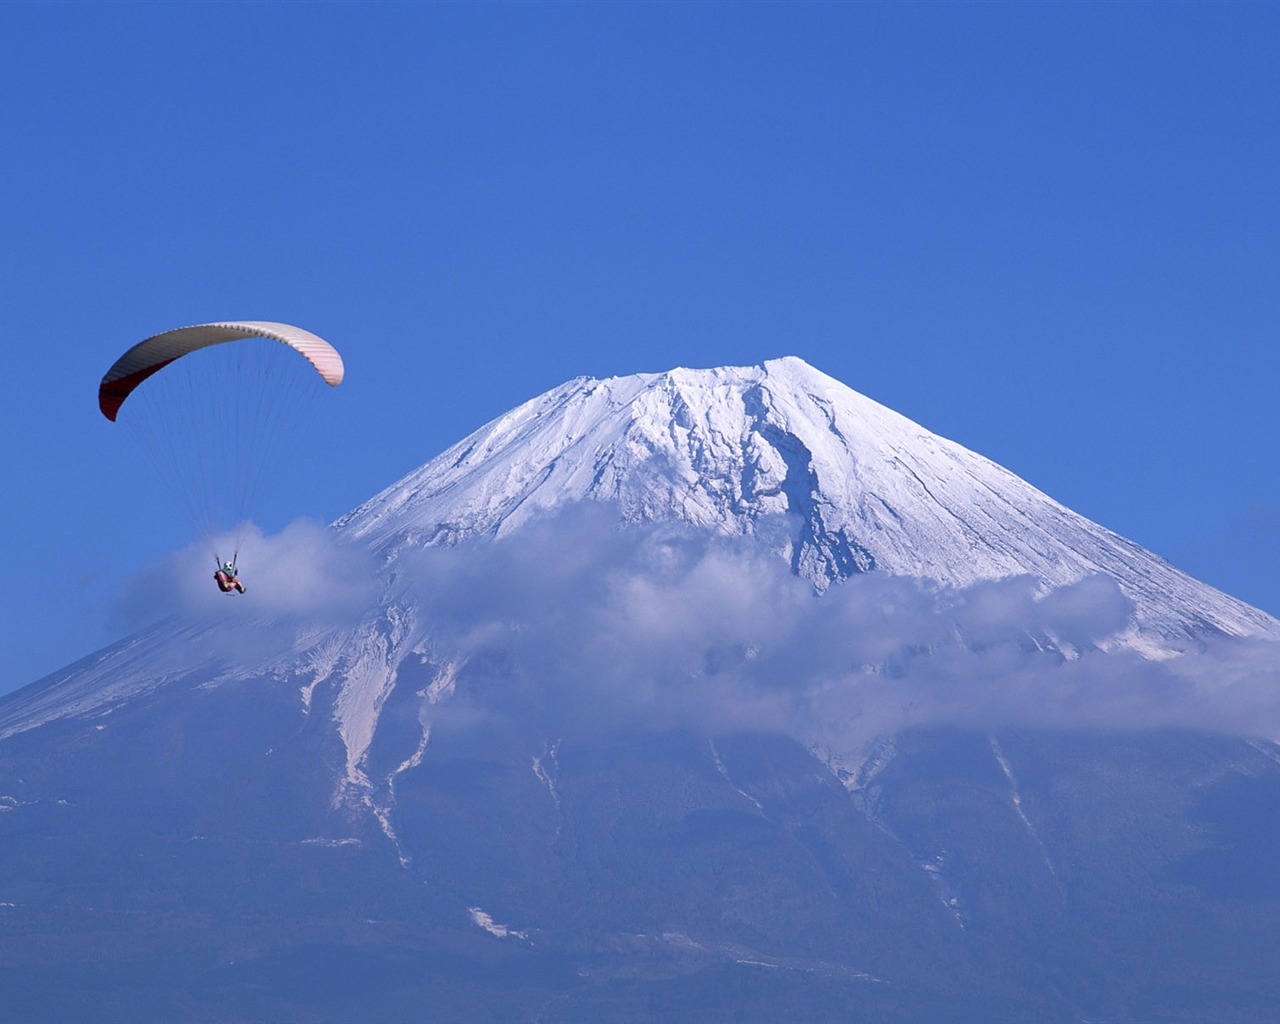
(743, 450)
(705, 695)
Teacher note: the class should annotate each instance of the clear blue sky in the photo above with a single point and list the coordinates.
(1048, 231)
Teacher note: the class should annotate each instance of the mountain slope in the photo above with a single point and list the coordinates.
(582, 773)
(836, 482)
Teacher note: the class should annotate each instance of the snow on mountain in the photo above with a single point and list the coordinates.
(473, 779)
(837, 482)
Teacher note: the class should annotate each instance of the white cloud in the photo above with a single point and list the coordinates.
(301, 572)
(576, 625)
(659, 626)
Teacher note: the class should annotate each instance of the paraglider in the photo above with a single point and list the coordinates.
(155, 353)
(220, 421)
(226, 578)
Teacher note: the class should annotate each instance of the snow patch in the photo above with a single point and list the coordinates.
(1266, 749)
(1017, 802)
(719, 763)
(332, 843)
(873, 763)
(437, 690)
(368, 672)
(501, 931)
(320, 663)
(548, 755)
(935, 869)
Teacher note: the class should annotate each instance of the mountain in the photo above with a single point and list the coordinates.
(740, 450)
(706, 695)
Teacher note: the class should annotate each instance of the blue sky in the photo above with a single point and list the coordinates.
(1050, 232)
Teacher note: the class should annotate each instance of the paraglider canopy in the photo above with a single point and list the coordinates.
(225, 424)
(158, 351)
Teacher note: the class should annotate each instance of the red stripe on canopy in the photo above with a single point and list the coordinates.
(111, 394)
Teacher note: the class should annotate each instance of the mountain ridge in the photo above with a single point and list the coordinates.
(836, 482)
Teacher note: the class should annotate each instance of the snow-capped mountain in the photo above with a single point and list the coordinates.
(840, 484)
(493, 784)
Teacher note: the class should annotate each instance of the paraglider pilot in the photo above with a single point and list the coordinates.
(226, 577)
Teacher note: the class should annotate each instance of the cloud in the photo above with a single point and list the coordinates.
(301, 572)
(574, 624)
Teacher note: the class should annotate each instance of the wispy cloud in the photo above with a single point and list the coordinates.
(302, 571)
(577, 625)
(661, 626)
